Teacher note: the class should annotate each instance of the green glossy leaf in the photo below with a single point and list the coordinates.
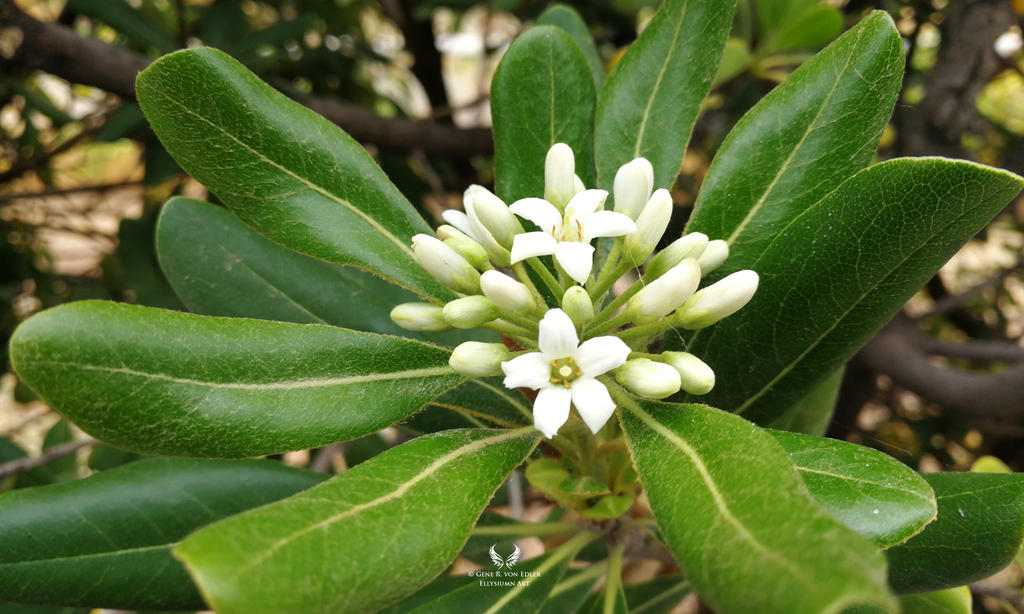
(658, 596)
(369, 537)
(542, 93)
(801, 140)
(567, 596)
(872, 493)
(439, 587)
(950, 601)
(813, 413)
(979, 529)
(509, 589)
(736, 57)
(290, 174)
(489, 401)
(652, 98)
(165, 382)
(567, 18)
(105, 541)
(814, 27)
(60, 433)
(839, 271)
(128, 21)
(221, 267)
(735, 513)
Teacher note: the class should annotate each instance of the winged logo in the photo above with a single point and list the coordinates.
(501, 562)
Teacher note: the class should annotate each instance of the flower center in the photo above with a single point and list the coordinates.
(564, 371)
(572, 229)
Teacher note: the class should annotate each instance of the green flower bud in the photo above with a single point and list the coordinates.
(714, 255)
(665, 294)
(577, 304)
(718, 300)
(647, 378)
(446, 264)
(473, 252)
(632, 187)
(687, 246)
(476, 359)
(420, 317)
(506, 293)
(559, 175)
(650, 226)
(469, 312)
(695, 375)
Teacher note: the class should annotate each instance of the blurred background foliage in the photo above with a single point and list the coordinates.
(82, 177)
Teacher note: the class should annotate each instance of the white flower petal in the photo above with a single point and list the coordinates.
(527, 371)
(606, 224)
(551, 409)
(459, 220)
(540, 212)
(601, 354)
(576, 259)
(556, 335)
(587, 202)
(577, 185)
(593, 402)
(530, 244)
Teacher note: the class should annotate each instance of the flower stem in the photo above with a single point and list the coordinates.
(653, 328)
(613, 580)
(524, 278)
(608, 325)
(613, 306)
(610, 263)
(547, 277)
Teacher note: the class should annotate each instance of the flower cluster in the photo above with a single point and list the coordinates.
(544, 308)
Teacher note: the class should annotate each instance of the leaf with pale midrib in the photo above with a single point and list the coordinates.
(839, 271)
(650, 102)
(165, 382)
(105, 541)
(731, 505)
(370, 537)
(284, 170)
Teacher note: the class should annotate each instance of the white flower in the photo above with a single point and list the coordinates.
(564, 372)
(567, 236)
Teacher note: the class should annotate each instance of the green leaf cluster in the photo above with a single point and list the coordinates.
(289, 347)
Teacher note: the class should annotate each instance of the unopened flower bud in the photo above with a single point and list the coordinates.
(687, 246)
(718, 300)
(473, 252)
(577, 185)
(506, 293)
(446, 264)
(665, 294)
(647, 378)
(469, 312)
(650, 226)
(559, 175)
(714, 255)
(471, 223)
(476, 359)
(493, 214)
(632, 187)
(695, 375)
(420, 317)
(577, 304)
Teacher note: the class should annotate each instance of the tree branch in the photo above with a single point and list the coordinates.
(56, 49)
(899, 352)
(29, 463)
